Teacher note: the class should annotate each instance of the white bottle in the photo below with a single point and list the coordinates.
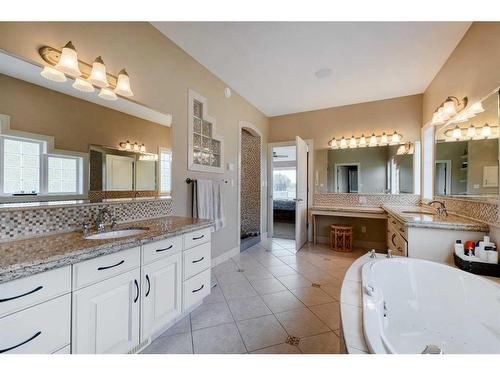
(493, 256)
(459, 248)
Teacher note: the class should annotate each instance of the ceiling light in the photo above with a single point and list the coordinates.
(98, 74)
(343, 143)
(383, 139)
(457, 132)
(107, 94)
(476, 108)
(362, 141)
(53, 74)
(123, 84)
(83, 85)
(352, 142)
(68, 62)
(323, 73)
(486, 131)
(373, 140)
(471, 132)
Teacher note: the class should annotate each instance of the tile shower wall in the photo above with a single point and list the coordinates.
(250, 184)
(28, 222)
(372, 200)
(484, 211)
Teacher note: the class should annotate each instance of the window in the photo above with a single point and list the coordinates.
(27, 169)
(165, 171)
(284, 183)
(63, 175)
(21, 166)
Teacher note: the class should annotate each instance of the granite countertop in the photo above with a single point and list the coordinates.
(21, 258)
(365, 209)
(423, 217)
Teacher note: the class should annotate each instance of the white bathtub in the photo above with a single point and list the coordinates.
(411, 303)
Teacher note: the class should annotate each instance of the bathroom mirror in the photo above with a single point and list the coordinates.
(466, 159)
(120, 170)
(375, 170)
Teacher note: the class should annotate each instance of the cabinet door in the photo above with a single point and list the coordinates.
(161, 294)
(106, 315)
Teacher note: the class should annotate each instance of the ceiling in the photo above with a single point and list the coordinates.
(274, 65)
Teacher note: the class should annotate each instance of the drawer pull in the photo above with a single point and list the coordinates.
(137, 288)
(393, 222)
(198, 260)
(392, 239)
(21, 295)
(167, 248)
(200, 288)
(21, 344)
(108, 267)
(149, 285)
(198, 238)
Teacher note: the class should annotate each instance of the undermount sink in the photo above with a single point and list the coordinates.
(117, 234)
(419, 212)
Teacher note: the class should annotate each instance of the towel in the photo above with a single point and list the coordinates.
(209, 202)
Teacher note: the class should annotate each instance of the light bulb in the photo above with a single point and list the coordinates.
(98, 74)
(457, 132)
(373, 140)
(123, 84)
(442, 114)
(143, 148)
(83, 85)
(395, 138)
(128, 146)
(449, 108)
(343, 143)
(486, 131)
(136, 146)
(476, 108)
(383, 139)
(352, 142)
(68, 62)
(362, 141)
(53, 74)
(333, 143)
(471, 132)
(107, 94)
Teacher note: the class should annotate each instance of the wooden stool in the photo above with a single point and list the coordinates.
(341, 237)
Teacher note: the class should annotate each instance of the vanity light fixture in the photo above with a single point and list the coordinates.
(448, 109)
(142, 148)
(343, 143)
(373, 140)
(332, 143)
(352, 142)
(457, 132)
(362, 141)
(68, 62)
(476, 108)
(486, 131)
(87, 76)
(135, 147)
(383, 139)
(395, 138)
(53, 74)
(471, 132)
(148, 157)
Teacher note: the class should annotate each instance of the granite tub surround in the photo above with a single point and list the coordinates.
(24, 220)
(426, 217)
(26, 257)
(365, 200)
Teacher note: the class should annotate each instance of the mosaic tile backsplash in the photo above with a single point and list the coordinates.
(372, 200)
(484, 211)
(29, 222)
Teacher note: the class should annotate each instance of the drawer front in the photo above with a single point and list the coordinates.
(22, 293)
(396, 242)
(196, 238)
(159, 249)
(41, 329)
(195, 289)
(104, 267)
(398, 226)
(196, 259)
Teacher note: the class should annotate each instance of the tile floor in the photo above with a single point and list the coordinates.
(267, 300)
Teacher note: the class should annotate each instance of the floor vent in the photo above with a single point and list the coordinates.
(292, 340)
(136, 349)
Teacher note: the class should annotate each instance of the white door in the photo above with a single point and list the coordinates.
(106, 315)
(443, 177)
(301, 194)
(161, 294)
(119, 172)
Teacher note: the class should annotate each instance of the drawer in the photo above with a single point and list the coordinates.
(398, 226)
(195, 289)
(104, 267)
(41, 329)
(196, 259)
(159, 249)
(396, 243)
(196, 238)
(22, 293)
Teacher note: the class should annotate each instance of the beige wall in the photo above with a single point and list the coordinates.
(403, 114)
(74, 123)
(472, 69)
(161, 74)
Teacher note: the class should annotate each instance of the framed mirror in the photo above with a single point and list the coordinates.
(388, 169)
(466, 156)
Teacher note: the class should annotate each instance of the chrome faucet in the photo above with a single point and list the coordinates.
(99, 221)
(389, 254)
(441, 210)
(373, 254)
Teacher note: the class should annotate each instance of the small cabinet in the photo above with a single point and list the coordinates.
(161, 294)
(106, 315)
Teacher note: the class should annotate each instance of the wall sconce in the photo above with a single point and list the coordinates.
(362, 142)
(65, 63)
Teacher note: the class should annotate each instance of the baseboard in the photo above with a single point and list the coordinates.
(225, 256)
(357, 244)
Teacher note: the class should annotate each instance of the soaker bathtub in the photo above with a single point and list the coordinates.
(412, 304)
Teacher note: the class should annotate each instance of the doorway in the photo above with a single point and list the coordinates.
(347, 178)
(443, 177)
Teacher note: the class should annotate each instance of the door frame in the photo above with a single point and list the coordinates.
(310, 163)
(358, 165)
(256, 132)
(448, 174)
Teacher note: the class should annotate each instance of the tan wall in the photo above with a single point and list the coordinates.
(161, 74)
(403, 114)
(472, 69)
(74, 123)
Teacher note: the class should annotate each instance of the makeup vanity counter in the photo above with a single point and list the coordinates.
(65, 293)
